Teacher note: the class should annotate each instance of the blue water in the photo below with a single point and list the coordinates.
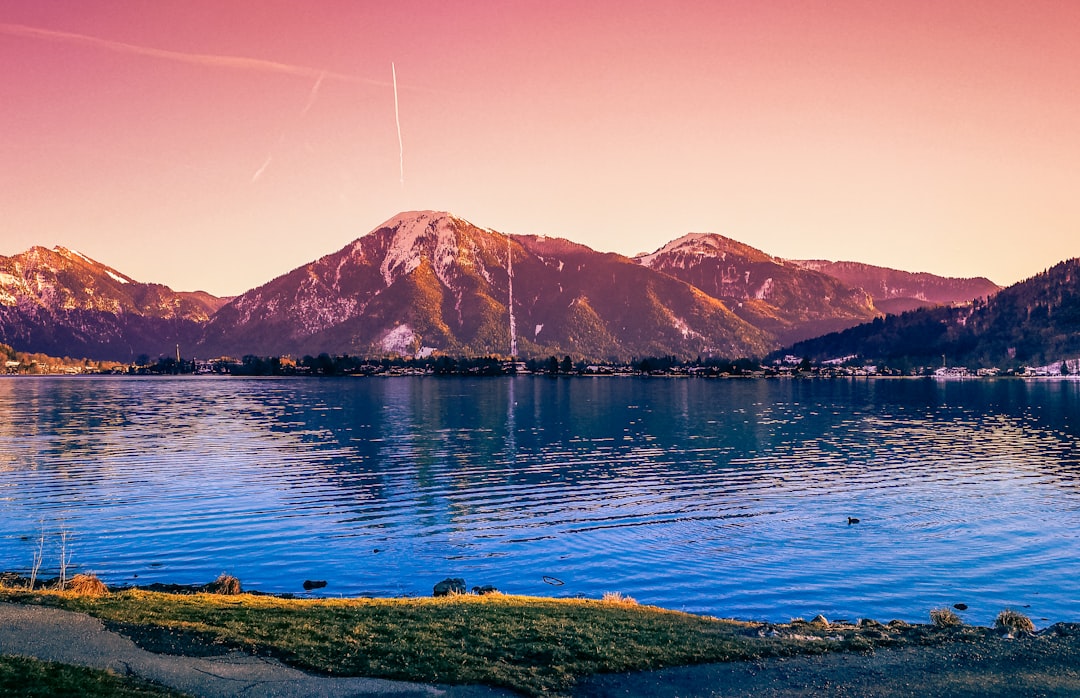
(725, 497)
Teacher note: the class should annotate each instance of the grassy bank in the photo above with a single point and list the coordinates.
(533, 645)
(30, 678)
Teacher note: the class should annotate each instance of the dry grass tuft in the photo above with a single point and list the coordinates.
(945, 618)
(617, 597)
(1014, 622)
(87, 585)
(226, 585)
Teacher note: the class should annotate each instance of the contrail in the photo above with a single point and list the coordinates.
(314, 93)
(281, 139)
(397, 119)
(203, 59)
(262, 168)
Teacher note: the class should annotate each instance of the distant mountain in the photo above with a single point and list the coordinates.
(784, 298)
(60, 302)
(1034, 323)
(428, 281)
(897, 291)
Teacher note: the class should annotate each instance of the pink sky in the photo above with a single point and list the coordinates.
(215, 145)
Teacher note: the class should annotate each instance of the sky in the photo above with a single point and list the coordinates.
(214, 145)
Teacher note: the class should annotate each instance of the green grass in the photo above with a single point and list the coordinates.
(31, 678)
(533, 645)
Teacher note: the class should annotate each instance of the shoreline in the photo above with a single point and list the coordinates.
(17, 581)
(226, 586)
(538, 645)
(1071, 378)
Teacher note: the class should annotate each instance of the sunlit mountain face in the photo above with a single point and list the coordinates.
(429, 282)
(789, 302)
(60, 302)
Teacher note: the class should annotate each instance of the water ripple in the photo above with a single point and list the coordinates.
(724, 497)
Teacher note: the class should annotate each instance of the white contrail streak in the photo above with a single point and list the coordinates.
(314, 93)
(397, 119)
(262, 168)
(203, 59)
(281, 139)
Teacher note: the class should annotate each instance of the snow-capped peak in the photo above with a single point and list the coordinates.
(75, 254)
(405, 252)
(412, 217)
(699, 244)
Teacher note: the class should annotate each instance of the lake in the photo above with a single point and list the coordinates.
(728, 497)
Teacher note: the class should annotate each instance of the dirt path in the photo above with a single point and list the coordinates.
(73, 638)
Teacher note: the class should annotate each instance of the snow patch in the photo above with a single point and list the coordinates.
(116, 277)
(696, 244)
(398, 339)
(536, 332)
(510, 300)
(66, 252)
(354, 256)
(681, 326)
(766, 289)
(406, 249)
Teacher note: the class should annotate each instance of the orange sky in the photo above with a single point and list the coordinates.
(214, 145)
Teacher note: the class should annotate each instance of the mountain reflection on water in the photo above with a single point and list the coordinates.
(727, 497)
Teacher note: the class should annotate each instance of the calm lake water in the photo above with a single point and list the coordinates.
(726, 497)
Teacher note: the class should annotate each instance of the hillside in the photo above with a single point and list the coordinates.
(788, 301)
(896, 291)
(1034, 322)
(428, 281)
(60, 302)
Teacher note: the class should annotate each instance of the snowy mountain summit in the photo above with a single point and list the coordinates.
(428, 281)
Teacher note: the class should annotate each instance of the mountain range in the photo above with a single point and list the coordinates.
(426, 282)
(59, 302)
(1032, 323)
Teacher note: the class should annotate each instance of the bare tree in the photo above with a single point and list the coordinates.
(39, 557)
(65, 556)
